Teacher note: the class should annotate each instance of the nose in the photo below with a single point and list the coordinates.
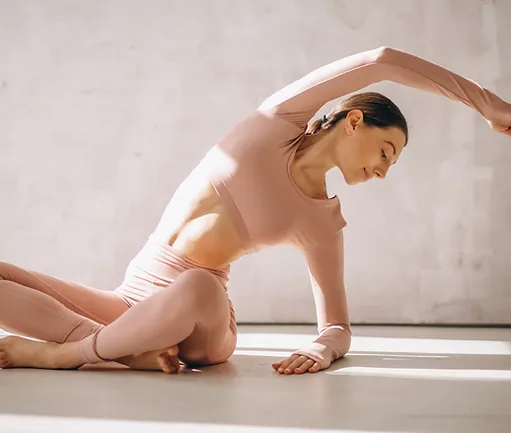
(381, 172)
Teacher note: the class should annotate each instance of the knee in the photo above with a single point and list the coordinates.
(202, 358)
(201, 285)
(202, 353)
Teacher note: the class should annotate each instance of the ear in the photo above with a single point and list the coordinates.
(354, 119)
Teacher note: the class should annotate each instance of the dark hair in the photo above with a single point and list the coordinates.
(378, 111)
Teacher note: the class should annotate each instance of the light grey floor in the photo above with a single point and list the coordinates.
(395, 379)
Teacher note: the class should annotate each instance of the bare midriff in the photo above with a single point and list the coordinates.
(196, 222)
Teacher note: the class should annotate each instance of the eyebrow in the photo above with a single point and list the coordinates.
(393, 147)
(392, 144)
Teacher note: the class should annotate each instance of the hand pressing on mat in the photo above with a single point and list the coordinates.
(296, 364)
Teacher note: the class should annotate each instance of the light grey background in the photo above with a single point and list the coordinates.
(106, 106)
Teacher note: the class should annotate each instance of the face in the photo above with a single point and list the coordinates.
(367, 152)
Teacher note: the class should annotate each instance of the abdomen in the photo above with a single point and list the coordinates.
(196, 223)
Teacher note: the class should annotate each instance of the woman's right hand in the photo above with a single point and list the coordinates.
(500, 128)
(498, 114)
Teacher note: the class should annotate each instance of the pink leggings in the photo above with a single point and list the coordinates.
(165, 300)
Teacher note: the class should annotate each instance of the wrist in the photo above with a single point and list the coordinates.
(318, 352)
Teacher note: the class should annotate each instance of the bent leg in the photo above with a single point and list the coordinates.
(50, 309)
(194, 312)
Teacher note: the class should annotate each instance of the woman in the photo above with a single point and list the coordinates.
(263, 184)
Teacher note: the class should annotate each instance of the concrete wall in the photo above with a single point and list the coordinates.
(105, 106)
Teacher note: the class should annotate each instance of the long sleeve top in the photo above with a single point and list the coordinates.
(250, 169)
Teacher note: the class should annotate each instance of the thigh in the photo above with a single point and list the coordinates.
(98, 305)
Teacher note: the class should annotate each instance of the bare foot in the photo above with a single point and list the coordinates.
(21, 352)
(166, 360)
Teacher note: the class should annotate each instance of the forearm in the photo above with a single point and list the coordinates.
(333, 343)
(413, 71)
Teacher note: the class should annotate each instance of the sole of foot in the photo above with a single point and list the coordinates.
(159, 360)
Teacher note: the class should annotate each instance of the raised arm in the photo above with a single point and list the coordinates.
(300, 100)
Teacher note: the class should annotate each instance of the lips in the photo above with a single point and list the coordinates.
(366, 176)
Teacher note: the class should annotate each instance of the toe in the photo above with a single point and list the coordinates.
(163, 362)
(176, 365)
(168, 363)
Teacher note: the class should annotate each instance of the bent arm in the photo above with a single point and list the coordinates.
(300, 100)
(326, 268)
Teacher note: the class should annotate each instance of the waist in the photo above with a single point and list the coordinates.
(164, 262)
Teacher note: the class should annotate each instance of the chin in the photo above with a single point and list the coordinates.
(352, 180)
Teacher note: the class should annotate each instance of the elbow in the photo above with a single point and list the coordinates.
(383, 52)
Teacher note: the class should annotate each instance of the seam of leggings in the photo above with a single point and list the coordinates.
(83, 352)
(72, 329)
(83, 312)
(94, 348)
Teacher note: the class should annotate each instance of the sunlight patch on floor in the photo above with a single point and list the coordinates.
(39, 424)
(275, 341)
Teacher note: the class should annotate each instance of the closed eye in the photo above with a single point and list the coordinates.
(383, 155)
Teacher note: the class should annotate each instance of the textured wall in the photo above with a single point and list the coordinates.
(105, 106)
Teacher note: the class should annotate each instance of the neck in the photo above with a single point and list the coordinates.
(315, 155)
(313, 159)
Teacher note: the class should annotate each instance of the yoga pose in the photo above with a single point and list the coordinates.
(262, 185)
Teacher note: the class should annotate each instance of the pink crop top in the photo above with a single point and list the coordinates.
(250, 171)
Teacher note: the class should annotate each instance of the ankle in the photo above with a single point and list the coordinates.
(50, 355)
(66, 355)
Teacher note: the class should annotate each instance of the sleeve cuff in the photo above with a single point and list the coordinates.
(318, 352)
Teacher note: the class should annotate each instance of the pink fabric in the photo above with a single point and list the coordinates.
(51, 309)
(250, 171)
(164, 300)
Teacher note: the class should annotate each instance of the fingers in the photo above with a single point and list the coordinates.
(287, 362)
(304, 367)
(315, 368)
(276, 365)
(296, 364)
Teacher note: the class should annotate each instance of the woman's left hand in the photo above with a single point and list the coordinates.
(296, 364)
